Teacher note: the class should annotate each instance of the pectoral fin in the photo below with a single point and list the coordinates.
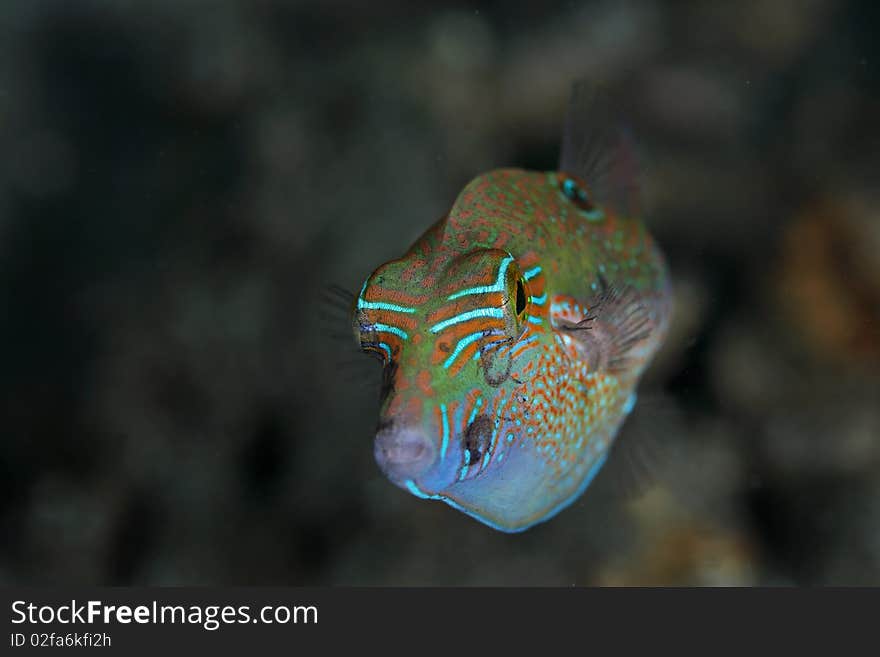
(616, 330)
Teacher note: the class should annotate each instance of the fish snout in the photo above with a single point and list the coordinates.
(403, 452)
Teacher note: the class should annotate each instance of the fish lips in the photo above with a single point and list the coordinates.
(409, 457)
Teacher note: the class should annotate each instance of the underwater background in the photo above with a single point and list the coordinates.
(179, 181)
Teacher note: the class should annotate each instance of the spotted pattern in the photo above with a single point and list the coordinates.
(477, 316)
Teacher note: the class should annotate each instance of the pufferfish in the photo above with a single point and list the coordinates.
(514, 332)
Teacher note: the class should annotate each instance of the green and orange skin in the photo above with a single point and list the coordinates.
(519, 409)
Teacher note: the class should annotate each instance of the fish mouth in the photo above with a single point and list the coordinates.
(403, 453)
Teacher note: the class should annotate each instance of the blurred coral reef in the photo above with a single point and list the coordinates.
(181, 179)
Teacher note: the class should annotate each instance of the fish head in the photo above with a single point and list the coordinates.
(448, 337)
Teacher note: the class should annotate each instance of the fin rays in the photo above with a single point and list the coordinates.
(617, 323)
(599, 148)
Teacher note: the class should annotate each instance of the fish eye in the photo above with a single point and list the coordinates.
(575, 193)
(368, 342)
(520, 299)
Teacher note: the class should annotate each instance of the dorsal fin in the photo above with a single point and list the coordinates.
(598, 147)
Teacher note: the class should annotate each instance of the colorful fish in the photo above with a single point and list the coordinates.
(513, 333)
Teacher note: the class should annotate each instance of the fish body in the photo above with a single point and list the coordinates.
(513, 334)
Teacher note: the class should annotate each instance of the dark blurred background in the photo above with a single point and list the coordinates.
(179, 180)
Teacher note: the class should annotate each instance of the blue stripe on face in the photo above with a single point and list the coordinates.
(535, 320)
(463, 317)
(391, 329)
(531, 273)
(445, 443)
(386, 348)
(462, 344)
(539, 301)
(483, 289)
(477, 405)
(381, 305)
(418, 492)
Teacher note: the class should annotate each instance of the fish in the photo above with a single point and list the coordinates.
(513, 333)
